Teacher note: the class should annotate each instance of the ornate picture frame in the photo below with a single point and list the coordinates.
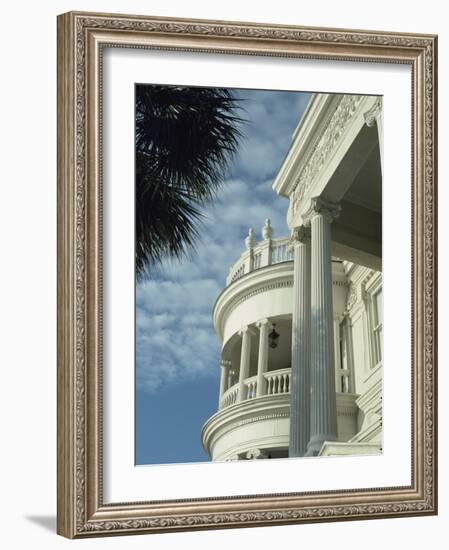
(82, 38)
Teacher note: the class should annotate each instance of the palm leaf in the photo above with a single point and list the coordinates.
(185, 141)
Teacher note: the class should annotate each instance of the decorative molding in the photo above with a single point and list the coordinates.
(324, 147)
(318, 205)
(332, 512)
(371, 115)
(299, 235)
(351, 297)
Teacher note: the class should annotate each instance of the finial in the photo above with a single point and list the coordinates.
(250, 241)
(267, 230)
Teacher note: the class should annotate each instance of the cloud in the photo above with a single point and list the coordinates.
(273, 116)
(175, 337)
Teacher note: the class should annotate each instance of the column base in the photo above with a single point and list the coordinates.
(316, 443)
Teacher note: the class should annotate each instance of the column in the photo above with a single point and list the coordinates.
(348, 353)
(262, 361)
(300, 381)
(337, 354)
(224, 379)
(244, 361)
(375, 117)
(323, 410)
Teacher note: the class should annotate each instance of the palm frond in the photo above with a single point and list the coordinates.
(186, 139)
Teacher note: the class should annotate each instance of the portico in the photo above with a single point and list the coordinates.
(332, 178)
(300, 317)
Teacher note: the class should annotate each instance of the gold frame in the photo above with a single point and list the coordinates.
(81, 37)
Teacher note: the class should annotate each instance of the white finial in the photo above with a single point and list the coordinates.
(250, 241)
(267, 230)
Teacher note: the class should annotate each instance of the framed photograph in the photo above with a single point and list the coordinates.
(246, 274)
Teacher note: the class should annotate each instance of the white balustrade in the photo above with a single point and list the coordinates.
(238, 273)
(251, 387)
(277, 382)
(257, 260)
(281, 253)
(230, 396)
(262, 254)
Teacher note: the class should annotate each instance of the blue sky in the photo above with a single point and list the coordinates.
(177, 350)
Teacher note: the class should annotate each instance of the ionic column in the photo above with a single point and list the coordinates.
(262, 362)
(244, 361)
(300, 381)
(323, 419)
(224, 379)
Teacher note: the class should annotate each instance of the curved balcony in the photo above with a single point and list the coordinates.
(258, 426)
(267, 252)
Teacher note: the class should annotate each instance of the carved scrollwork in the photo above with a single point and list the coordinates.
(324, 147)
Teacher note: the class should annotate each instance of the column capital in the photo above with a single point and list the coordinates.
(246, 330)
(263, 323)
(318, 205)
(300, 234)
(225, 363)
(371, 115)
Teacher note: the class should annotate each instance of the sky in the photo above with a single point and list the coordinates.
(177, 349)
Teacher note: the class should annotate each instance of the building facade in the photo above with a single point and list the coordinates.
(300, 318)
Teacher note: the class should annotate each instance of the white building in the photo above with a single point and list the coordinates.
(300, 320)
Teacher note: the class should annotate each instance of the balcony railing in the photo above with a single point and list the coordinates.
(276, 382)
(267, 252)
